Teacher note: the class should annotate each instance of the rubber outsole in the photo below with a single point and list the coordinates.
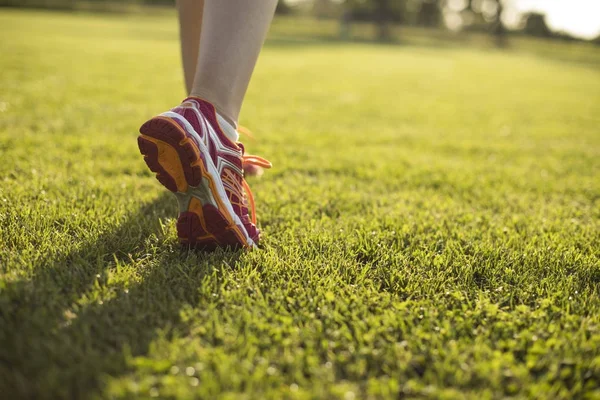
(204, 221)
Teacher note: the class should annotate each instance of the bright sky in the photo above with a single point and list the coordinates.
(580, 18)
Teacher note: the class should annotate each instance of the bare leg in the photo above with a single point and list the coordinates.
(190, 26)
(193, 148)
(233, 32)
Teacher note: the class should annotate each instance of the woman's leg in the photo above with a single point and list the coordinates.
(190, 27)
(233, 32)
(193, 147)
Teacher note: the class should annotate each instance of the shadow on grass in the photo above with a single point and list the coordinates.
(51, 347)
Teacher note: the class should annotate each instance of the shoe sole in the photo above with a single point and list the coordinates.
(184, 166)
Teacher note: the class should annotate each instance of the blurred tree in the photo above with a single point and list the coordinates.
(381, 12)
(282, 8)
(323, 9)
(158, 2)
(382, 19)
(484, 15)
(55, 4)
(498, 28)
(535, 25)
(429, 13)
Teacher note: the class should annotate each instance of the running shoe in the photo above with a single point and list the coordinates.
(193, 158)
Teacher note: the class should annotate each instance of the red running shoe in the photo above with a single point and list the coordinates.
(193, 158)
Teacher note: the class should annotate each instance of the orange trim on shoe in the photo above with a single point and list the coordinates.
(254, 161)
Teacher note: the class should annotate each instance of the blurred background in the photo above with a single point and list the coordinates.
(400, 21)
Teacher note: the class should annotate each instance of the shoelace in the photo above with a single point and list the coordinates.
(245, 131)
(252, 160)
(259, 162)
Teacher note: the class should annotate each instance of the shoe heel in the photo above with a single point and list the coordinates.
(170, 154)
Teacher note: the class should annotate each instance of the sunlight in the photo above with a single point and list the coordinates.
(580, 18)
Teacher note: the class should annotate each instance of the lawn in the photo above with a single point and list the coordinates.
(431, 223)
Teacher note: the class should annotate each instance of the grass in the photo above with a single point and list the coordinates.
(431, 223)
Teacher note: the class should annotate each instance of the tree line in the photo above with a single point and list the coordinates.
(480, 15)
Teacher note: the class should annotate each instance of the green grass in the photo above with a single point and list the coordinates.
(431, 225)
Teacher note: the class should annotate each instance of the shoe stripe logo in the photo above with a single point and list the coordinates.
(213, 135)
(221, 162)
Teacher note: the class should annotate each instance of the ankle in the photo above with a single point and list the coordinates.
(218, 105)
(227, 124)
